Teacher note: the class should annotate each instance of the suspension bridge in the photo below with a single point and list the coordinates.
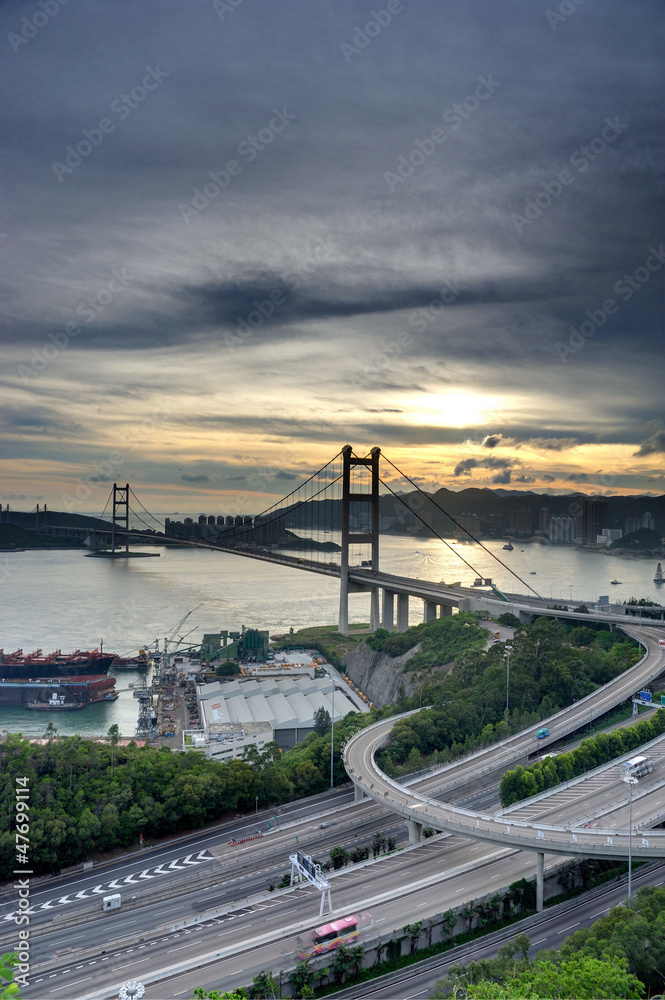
(330, 524)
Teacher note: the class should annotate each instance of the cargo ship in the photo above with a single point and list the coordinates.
(69, 692)
(140, 662)
(35, 665)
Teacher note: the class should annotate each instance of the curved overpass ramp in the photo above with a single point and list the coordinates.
(422, 810)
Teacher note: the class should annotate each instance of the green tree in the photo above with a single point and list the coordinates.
(7, 963)
(339, 857)
(414, 931)
(227, 669)
(583, 978)
(264, 986)
(342, 963)
(301, 980)
(113, 735)
(322, 721)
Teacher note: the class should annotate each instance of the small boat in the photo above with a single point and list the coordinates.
(57, 703)
(508, 546)
(532, 572)
(615, 581)
(659, 578)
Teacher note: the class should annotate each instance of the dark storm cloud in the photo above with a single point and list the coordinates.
(652, 445)
(247, 251)
(190, 477)
(467, 464)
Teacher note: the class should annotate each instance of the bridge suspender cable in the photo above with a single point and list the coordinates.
(472, 537)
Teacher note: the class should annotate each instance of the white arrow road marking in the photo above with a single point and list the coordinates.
(83, 894)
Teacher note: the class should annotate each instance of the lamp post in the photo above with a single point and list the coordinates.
(332, 730)
(506, 652)
(630, 780)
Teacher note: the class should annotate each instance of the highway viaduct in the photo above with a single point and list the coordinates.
(422, 810)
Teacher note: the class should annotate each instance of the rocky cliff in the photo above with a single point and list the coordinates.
(379, 675)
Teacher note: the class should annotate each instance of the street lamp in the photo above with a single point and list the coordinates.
(507, 650)
(332, 730)
(630, 780)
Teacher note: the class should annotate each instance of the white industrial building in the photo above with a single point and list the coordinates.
(285, 705)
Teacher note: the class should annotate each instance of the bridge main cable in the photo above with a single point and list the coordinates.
(461, 527)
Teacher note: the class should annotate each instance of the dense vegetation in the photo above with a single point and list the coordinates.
(522, 782)
(441, 641)
(552, 663)
(89, 796)
(620, 955)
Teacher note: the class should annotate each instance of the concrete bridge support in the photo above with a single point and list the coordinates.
(415, 831)
(446, 610)
(402, 612)
(374, 616)
(540, 868)
(358, 794)
(430, 611)
(388, 616)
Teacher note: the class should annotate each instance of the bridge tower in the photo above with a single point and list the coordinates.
(352, 495)
(120, 514)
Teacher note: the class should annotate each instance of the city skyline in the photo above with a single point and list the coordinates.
(239, 236)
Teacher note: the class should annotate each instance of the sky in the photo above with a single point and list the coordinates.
(239, 234)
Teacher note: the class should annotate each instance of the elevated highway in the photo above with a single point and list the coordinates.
(505, 829)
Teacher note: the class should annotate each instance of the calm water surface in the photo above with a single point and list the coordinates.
(61, 599)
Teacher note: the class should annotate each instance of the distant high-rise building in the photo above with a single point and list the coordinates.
(521, 521)
(471, 522)
(543, 519)
(591, 520)
(636, 522)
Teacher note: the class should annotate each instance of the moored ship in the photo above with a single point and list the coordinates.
(659, 578)
(140, 662)
(36, 665)
(74, 692)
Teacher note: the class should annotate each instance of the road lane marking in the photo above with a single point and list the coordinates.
(69, 985)
(563, 931)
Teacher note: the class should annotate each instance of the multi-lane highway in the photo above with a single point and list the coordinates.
(423, 810)
(208, 906)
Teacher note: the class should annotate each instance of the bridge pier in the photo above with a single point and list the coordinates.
(374, 616)
(358, 794)
(402, 612)
(446, 610)
(388, 616)
(343, 622)
(540, 870)
(415, 831)
(430, 611)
